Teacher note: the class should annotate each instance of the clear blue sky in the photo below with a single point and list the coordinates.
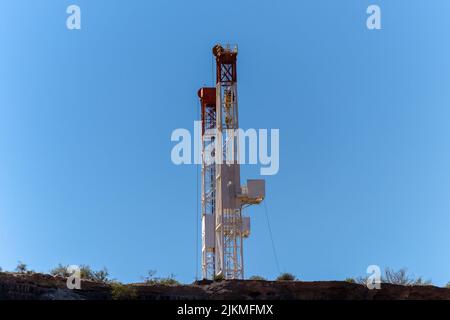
(86, 118)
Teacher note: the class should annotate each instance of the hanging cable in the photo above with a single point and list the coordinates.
(271, 237)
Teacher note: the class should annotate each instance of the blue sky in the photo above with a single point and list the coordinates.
(86, 118)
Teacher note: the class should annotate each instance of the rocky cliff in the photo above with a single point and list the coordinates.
(46, 287)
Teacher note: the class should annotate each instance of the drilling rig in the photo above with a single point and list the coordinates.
(223, 197)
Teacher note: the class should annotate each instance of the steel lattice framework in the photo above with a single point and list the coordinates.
(223, 226)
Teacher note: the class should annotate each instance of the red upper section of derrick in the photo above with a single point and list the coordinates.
(225, 74)
(208, 104)
(225, 55)
(207, 95)
(225, 63)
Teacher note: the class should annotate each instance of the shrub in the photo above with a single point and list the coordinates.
(101, 275)
(169, 281)
(448, 285)
(257, 278)
(286, 276)
(85, 271)
(150, 279)
(21, 267)
(402, 278)
(399, 277)
(120, 291)
(97, 276)
(420, 282)
(60, 271)
(218, 277)
(350, 280)
(361, 280)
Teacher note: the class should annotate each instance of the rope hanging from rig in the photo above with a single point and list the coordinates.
(271, 237)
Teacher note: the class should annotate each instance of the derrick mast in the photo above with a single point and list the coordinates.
(223, 197)
(208, 200)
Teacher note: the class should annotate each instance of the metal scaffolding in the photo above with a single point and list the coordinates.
(223, 197)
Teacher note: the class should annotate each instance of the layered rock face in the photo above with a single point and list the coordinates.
(46, 287)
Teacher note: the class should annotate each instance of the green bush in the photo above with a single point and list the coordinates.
(286, 276)
(350, 280)
(86, 273)
(101, 275)
(218, 277)
(169, 281)
(60, 271)
(120, 291)
(150, 279)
